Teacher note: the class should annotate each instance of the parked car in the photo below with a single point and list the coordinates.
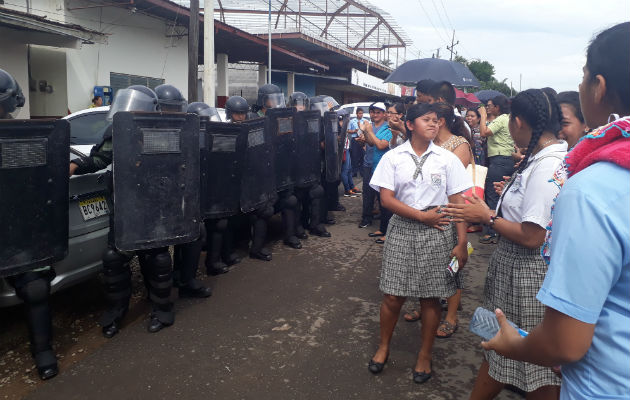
(352, 109)
(88, 213)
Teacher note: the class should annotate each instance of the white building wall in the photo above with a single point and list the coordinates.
(13, 60)
(48, 67)
(137, 44)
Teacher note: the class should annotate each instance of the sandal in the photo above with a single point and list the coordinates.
(412, 316)
(488, 239)
(447, 328)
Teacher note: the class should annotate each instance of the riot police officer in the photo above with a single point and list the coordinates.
(156, 264)
(220, 255)
(269, 96)
(309, 195)
(236, 109)
(185, 256)
(32, 287)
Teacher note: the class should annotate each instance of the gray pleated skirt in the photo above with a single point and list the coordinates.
(415, 260)
(515, 275)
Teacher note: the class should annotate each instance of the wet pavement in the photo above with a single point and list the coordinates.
(302, 326)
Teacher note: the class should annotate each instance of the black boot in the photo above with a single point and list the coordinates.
(194, 289)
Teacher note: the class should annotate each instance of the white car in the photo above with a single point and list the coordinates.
(352, 109)
(88, 213)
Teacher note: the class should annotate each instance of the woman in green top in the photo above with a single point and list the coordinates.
(500, 148)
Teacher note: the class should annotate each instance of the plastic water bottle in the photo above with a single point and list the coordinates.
(484, 323)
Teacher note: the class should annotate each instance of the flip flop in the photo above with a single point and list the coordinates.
(412, 316)
(379, 241)
(447, 328)
(374, 234)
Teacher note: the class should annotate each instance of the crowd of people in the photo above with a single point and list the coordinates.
(562, 155)
(549, 156)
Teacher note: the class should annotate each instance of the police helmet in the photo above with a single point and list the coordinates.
(235, 105)
(134, 98)
(11, 96)
(204, 110)
(323, 103)
(270, 96)
(299, 100)
(170, 98)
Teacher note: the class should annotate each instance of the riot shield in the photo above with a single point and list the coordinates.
(156, 179)
(343, 121)
(34, 183)
(331, 146)
(306, 162)
(279, 121)
(258, 183)
(222, 162)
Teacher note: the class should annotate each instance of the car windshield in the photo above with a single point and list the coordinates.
(88, 128)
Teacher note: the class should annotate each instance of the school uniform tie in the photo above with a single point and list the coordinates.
(419, 163)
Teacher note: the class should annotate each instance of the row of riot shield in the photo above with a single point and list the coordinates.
(34, 197)
(170, 171)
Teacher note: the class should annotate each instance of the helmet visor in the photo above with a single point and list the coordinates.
(332, 103)
(300, 104)
(132, 100)
(274, 100)
(211, 113)
(321, 107)
(173, 105)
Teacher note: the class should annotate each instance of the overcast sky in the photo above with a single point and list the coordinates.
(545, 40)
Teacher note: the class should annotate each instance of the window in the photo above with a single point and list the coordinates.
(88, 128)
(122, 81)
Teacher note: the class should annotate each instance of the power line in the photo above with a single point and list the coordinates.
(439, 16)
(447, 17)
(431, 22)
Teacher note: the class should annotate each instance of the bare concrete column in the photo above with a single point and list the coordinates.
(290, 83)
(262, 75)
(222, 79)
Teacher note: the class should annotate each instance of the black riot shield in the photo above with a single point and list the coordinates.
(34, 159)
(279, 122)
(156, 179)
(343, 121)
(258, 183)
(222, 161)
(306, 162)
(331, 146)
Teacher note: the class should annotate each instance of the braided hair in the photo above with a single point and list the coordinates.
(542, 113)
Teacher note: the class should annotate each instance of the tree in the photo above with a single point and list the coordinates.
(483, 70)
(460, 60)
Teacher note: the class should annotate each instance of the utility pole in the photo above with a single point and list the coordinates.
(434, 56)
(453, 44)
(269, 45)
(208, 53)
(520, 80)
(193, 51)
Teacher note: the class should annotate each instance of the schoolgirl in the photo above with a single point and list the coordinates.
(414, 180)
(517, 270)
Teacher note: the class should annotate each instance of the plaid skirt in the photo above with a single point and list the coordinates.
(415, 258)
(515, 275)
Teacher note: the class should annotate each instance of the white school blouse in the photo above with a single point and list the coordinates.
(443, 174)
(530, 197)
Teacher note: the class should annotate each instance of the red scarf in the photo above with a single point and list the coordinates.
(610, 143)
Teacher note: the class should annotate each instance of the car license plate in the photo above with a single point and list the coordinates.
(93, 208)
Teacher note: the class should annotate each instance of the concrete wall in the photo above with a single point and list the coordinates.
(49, 65)
(13, 60)
(136, 45)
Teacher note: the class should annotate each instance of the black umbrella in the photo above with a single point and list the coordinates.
(487, 94)
(437, 69)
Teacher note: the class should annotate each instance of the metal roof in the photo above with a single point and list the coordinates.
(356, 27)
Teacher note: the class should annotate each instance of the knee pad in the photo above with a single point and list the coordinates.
(34, 291)
(290, 201)
(161, 262)
(265, 212)
(316, 192)
(114, 257)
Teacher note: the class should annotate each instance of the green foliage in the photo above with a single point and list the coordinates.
(483, 70)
